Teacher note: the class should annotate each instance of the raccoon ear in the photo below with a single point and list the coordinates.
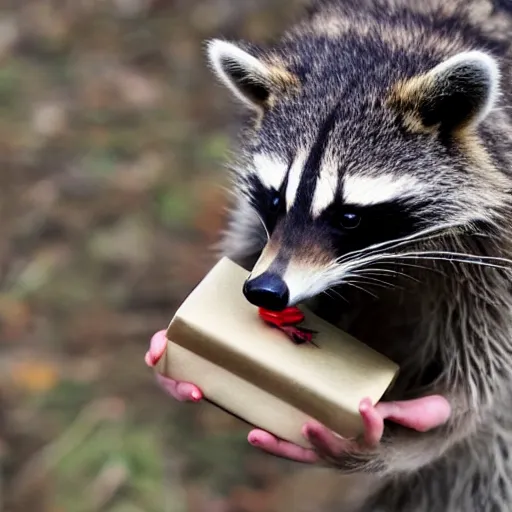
(245, 75)
(457, 93)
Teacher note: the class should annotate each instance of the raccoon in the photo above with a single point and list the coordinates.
(372, 180)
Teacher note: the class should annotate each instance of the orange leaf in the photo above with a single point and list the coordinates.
(34, 376)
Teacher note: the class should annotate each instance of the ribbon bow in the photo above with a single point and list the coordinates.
(287, 321)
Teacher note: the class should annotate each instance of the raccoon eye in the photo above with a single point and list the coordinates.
(350, 220)
(275, 201)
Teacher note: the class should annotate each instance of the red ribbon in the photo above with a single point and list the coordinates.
(287, 321)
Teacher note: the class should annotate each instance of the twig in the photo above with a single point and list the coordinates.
(107, 484)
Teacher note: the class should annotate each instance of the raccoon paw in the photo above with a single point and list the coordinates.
(361, 454)
(181, 391)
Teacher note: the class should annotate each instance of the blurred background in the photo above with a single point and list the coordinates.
(113, 134)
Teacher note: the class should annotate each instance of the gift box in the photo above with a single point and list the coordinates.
(218, 341)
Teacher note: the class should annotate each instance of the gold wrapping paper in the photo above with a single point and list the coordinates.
(218, 341)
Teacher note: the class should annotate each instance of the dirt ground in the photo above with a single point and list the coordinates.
(113, 134)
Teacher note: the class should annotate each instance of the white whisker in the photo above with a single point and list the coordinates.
(457, 260)
(349, 283)
(422, 267)
(384, 272)
(330, 291)
(262, 223)
(474, 257)
(429, 255)
(370, 280)
(398, 242)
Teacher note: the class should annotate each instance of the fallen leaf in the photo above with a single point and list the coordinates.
(34, 376)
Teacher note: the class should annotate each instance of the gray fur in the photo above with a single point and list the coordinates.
(447, 323)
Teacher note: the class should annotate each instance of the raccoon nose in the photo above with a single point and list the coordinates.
(267, 291)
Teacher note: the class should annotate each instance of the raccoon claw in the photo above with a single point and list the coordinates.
(181, 391)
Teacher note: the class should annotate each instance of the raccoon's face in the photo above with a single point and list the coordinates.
(336, 176)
